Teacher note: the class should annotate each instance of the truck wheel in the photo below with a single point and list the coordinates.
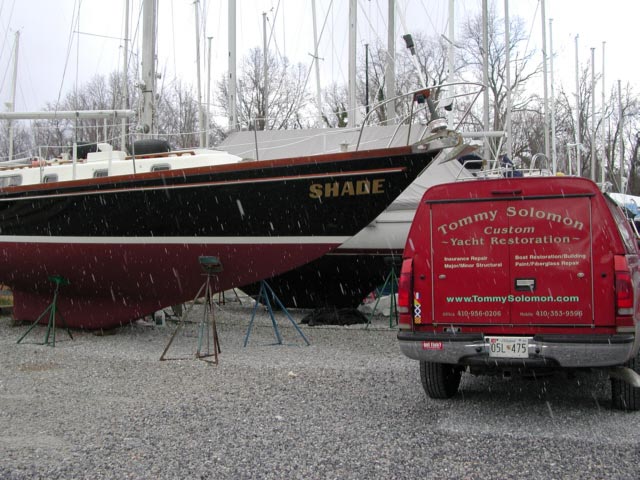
(623, 395)
(440, 380)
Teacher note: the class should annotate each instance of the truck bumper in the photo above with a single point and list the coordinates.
(575, 351)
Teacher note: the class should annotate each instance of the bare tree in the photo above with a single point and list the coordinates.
(522, 71)
(432, 67)
(336, 99)
(287, 99)
(177, 113)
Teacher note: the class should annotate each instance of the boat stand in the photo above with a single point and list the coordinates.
(265, 292)
(392, 281)
(207, 329)
(52, 309)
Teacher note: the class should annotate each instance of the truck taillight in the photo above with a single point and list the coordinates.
(624, 287)
(405, 293)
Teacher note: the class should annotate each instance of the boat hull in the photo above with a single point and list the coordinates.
(119, 283)
(345, 276)
(130, 245)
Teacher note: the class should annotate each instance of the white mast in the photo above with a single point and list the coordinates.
(125, 78)
(554, 154)
(451, 53)
(353, 107)
(593, 115)
(485, 75)
(602, 122)
(578, 144)
(231, 99)
(265, 71)
(390, 70)
(201, 127)
(316, 59)
(623, 187)
(544, 77)
(148, 84)
(507, 41)
(12, 104)
(206, 143)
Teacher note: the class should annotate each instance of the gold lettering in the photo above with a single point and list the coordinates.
(363, 187)
(347, 189)
(378, 185)
(331, 189)
(315, 190)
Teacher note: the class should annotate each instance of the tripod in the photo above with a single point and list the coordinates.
(52, 309)
(208, 320)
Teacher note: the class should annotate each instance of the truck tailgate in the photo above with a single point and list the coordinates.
(515, 261)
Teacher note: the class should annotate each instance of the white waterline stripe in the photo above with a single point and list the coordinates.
(308, 240)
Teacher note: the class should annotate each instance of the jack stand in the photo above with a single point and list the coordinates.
(265, 291)
(391, 280)
(208, 318)
(52, 309)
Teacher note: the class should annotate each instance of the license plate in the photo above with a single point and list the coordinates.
(508, 347)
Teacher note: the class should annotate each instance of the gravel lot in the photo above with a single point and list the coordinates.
(348, 406)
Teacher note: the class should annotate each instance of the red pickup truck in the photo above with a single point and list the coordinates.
(520, 275)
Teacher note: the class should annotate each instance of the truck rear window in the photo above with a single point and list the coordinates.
(628, 238)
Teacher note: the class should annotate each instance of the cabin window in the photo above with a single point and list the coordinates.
(50, 178)
(103, 172)
(10, 180)
(159, 167)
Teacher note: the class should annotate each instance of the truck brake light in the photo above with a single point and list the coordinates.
(405, 288)
(624, 287)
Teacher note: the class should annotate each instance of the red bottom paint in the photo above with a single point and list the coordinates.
(113, 284)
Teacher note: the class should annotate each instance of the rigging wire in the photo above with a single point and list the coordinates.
(4, 42)
(306, 80)
(535, 15)
(69, 46)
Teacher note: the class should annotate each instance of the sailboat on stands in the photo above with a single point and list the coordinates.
(128, 243)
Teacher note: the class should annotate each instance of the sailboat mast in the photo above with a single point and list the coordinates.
(507, 65)
(148, 83)
(231, 98)
(623, 187)
(317, 62)
(451, 52)
(208, 121)
(353, 108)
(201, 126)
(125, 78)
(602, 124)
(12, 105)
(485, 75)
(578, 144)
(594, 177)
(544, 78)
(265, 71)
(554, 153)
(390, 71)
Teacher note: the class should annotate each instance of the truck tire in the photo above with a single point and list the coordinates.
(440, 380)
(623, 395)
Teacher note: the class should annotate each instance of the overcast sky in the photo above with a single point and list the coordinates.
(53, 55)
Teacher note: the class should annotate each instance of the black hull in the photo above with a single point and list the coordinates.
(129, 245)
(256, 199)
(332, 281)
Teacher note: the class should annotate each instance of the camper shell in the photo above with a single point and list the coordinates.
(520, 274)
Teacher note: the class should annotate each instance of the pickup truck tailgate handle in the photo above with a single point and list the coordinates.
(525, 284)
(506, 192)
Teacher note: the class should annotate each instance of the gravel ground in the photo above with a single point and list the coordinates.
(347, 406)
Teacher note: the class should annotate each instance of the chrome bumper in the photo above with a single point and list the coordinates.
(574, 351)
